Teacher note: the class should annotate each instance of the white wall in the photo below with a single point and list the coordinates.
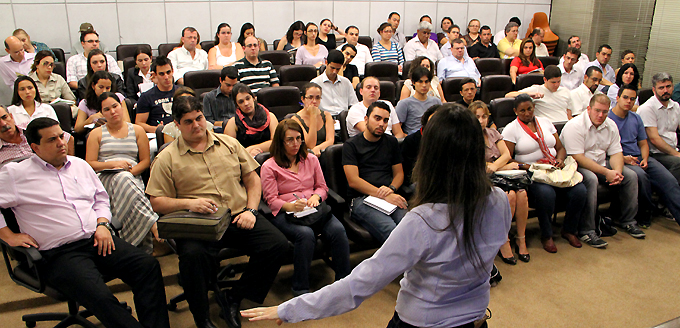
(56, 22)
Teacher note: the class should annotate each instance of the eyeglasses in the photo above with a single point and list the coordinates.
(48, 65)
(92, 41)
(312, 31)
(313, 97)
(252, 45)
(292, 141)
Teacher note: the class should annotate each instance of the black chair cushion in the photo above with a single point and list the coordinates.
(527, 80)
(128, 50)
(489, 66)
(451, 87)
(383, 70)
(280, 100)
(502, 111)
(495, 86)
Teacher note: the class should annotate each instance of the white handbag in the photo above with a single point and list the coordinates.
(561, 178)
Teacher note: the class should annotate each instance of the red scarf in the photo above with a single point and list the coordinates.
(548, 157)
(258, 123)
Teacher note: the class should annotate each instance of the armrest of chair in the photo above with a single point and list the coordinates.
(265, 210)
(31, 256)
(334, 198)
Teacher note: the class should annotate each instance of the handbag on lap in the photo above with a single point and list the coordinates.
(192, 225)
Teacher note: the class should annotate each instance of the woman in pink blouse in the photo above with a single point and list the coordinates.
(292, 181)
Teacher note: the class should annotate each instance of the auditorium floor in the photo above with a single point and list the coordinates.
(633, 283)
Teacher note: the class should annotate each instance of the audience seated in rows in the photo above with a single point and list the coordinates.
(356, 117)
(422, 44)
(458, 65)
(171, 131)
(435, 87)
(326, 37)
(318, 130)
(399, 38)
(431, 36)
(572, 75)
(294, 38)
(602, 57)
(650, 173)
(253, 125)
(348, 70)
(204, 189)
(119, 151)
(30, 46)
(504, 32)
(16, 63)
(552, 101)
(96, 62)
(247, 29)
(225, 52)
(77, 65)
(537, 36)
(509, 46)
(63, 209)
(453, 33)
(188, 58)
(311, 53)
(627, 74)
(593, 141)
(533, 139)
(253, 71)
(27, 104)
(526, 62)
(445, 25)
(154, 106)
(338, 90)
(412, 108)
(363, 53)
(292, 181)
(468, 91)
(484, 48)
(472, 36)
(386, 49)
(583, 60)
(372, 163)
(661, 117)
(88, 112)
(50, 85)
(580, 97)
(139, 77)
(218, 106)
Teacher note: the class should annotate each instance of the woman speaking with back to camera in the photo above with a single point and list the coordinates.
(444, 246)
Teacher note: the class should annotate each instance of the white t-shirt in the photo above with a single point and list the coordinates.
(553, 105)
(363, 56)
(526, 148)
(357, 113)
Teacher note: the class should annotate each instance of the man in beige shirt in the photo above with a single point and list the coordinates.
(201, 171)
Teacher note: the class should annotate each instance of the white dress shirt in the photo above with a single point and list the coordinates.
(21, 117)
(363, 56)
(336, 96)
(182, 61)
(572, 79)
(542, 51)
(580, 136)
(76, 67)
(414, 48)
(11, 70)
(664, 119)
(582, 62)
(553, 105)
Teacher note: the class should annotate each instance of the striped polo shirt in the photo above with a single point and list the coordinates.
(257, 76)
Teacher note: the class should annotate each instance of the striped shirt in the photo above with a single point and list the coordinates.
(112, 148)
(394, 54)
(11, 151)
(257, 76)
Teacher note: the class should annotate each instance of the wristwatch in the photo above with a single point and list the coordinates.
(105, 224)
(251, 211)
(393, 188)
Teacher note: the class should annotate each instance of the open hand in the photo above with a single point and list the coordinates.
(263, 313)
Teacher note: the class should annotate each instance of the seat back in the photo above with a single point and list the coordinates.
(64, 115)
(527, 80)
(60, 69)
(202, 81)
(549, 60)
(399, 85)
(276, 43)
(495, 86)
(489, 66)
(342, 118)
(128, 62)
(383, 70)
(281, 100)
(451, 87)
(130, 104)
(296, 75)
(160, 140)
(128, 50)
(388, 92)
(206, 45)
(502, 111)
(506, 65)
(165, 48)
(278, 58)
(406, 69)
(331, 165)
(644, 95)
(366, 40)
(59, 53)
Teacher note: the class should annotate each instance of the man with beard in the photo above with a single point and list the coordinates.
(580, 97)
(661, 116)
(372, 163)
(202, 171)
(636, 157)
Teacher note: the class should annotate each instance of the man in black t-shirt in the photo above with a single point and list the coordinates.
(154, 106)
(484, 48)
(372, 163)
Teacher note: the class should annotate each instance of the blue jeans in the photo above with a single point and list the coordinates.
(658, 177)
(627, 192)
(304, 239)
(378, 224)
(543, 198)
(670, 162)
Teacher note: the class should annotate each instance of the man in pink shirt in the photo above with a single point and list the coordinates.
(63, 210)
(16, 63)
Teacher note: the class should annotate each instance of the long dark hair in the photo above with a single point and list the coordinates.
(531, 59)
(297, 26)
(450, 169)
(90, 95)
(623, 69)
(305, 33)
(93, 53)
(217, 34)
(244, 28)
(278, 149)
(16, 100)
(416, 63)
(42, 54)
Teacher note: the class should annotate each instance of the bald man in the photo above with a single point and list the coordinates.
(16, 63)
